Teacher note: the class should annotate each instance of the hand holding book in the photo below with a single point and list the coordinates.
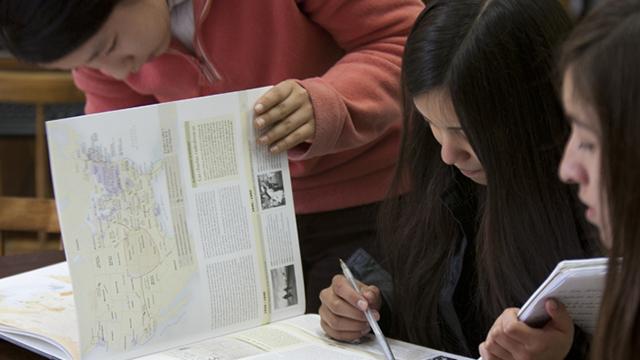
(181, 243)
(511, 338)
(576, 287)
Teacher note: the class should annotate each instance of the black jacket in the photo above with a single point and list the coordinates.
(461, 326)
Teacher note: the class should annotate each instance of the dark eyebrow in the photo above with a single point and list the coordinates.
(452, 128)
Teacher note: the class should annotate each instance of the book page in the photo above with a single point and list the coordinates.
(37, 311)
(245, 222)
(297, 338)
(175, 228)
(45, 311)
(579, 285)
(131, 259)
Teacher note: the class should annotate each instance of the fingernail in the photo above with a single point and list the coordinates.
(262, 139)
(366, 331)
(274, 149)
(553, 306)
(362, 305)
(368, 294)
(260, 122)
(376, 315)
(258, 107)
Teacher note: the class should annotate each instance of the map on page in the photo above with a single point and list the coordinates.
(124, 242)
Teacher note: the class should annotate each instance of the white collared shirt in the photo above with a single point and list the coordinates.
(182, 21)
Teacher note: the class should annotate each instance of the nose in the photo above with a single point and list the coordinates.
(452, 151)
(571, 171)
(117, 68)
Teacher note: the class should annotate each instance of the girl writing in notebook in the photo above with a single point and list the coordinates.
(601, 96)
(486, 219)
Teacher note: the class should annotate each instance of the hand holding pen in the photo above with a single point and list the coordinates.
(343, 309)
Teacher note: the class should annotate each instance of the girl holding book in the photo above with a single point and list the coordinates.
(485, 224)
(335, 105)
(601, 96)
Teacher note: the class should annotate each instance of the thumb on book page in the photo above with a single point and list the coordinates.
(560, 318)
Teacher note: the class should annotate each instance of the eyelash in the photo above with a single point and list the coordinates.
(586, 146)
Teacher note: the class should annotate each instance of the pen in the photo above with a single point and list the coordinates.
(382, 341)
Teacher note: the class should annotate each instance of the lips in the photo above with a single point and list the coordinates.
(585, 203)
(590, 212)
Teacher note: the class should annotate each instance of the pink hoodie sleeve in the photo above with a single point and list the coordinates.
(104, 93)
(358, 99)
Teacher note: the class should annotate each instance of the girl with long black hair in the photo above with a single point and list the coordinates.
(483, 225)
(601, 95)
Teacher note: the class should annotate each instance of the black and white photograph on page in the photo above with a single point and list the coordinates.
(284, 287)
(271, 190)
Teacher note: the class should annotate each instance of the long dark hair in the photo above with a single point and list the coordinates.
(602, 56)
(42, 31)
(495, 59)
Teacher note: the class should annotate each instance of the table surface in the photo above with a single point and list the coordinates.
(15, 264)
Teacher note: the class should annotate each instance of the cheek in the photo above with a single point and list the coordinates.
(146, 43)
(153, 34)
(162, 30)
(593, 171)
(606, 234)
(599, 191)
(150, 30)
(469, 149)
(162, 25)
(472, 154)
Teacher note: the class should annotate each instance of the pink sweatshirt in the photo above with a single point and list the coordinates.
(346, 53)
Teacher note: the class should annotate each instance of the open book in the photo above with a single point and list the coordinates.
(578, 284)
(37, 312)
(180, 239)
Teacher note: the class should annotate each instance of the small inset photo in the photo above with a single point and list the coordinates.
(284, 287)
(271, 190)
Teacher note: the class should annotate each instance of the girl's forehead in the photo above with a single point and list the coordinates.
(578, 110)
(436, 107)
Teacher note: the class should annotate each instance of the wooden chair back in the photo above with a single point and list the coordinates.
(37, 87)
(26, 214)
